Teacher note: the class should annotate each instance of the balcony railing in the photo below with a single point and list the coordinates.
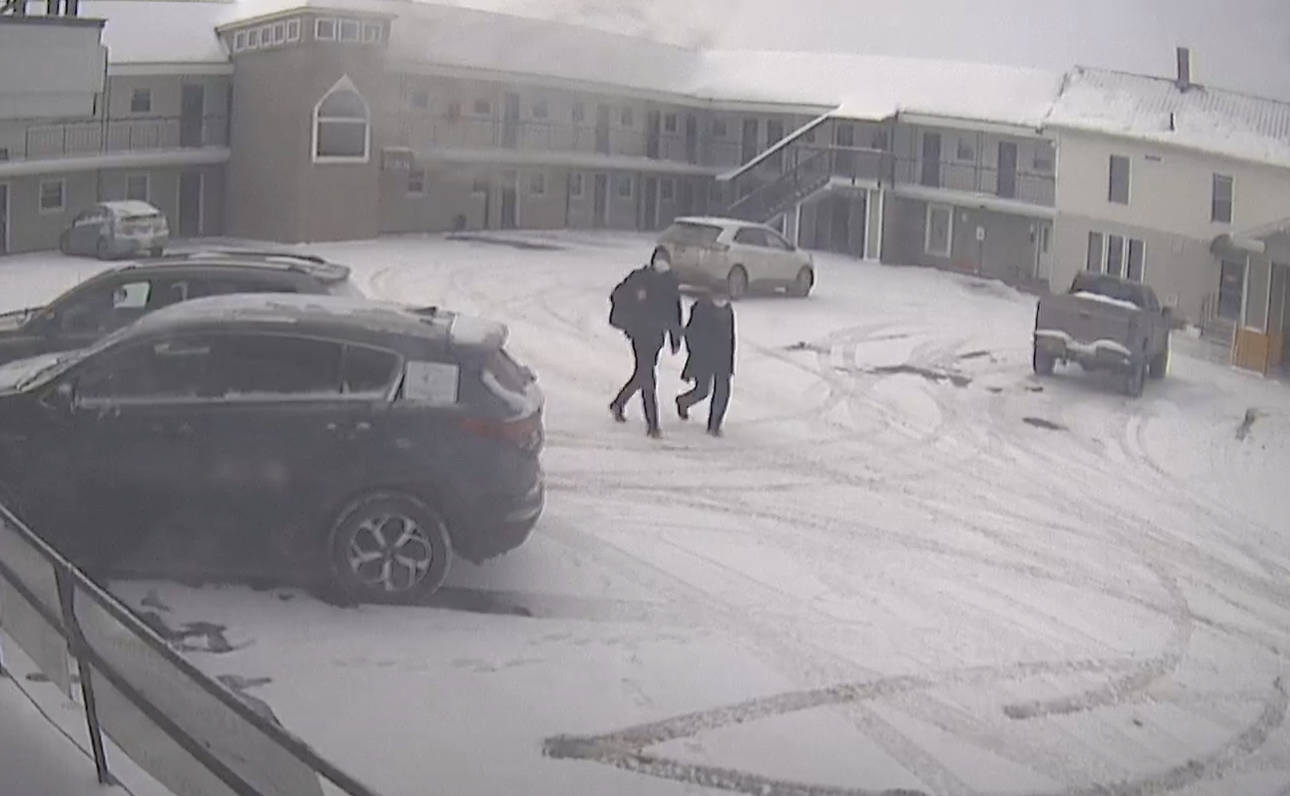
(438, 132)
(1035, 188)
(84, 138)
(810, 168)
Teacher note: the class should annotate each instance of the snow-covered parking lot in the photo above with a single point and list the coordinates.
(910, 564)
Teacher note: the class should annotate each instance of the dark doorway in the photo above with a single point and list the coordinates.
(748, 142)
(653, 129)
(691, 138)
(602, 129)
(510, 208)
(511, 121)
(190, 204)
(684, 197)
(600, 202)
(774, 133)
(649, 196)
(844, 138)
(4, 218)
(839, 224)
(1007, 188)
(192, 115)
(930, 176)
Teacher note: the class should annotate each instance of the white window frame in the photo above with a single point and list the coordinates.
(1128, 247)
(577, 185)
(147, 187)
(1128, 180)
(487, 105)
(416, 181)
(1101, 251)
(671, 122)
(253, 39)
(62, 197)
(627, 117)
(1123, 262)
(319, 22)
(1231, 199)
(949, 231)
(475, 185)
(344, 84)
(371, 33)
(963, 145)
(349, 25)
(628, 180)
(293, 30)
(537, 183)
(667, 190)
(141, 92)
(279, 32)
(239, 41)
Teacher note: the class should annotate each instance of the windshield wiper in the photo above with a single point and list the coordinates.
(22, 384)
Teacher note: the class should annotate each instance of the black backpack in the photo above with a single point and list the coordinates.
(619, 301)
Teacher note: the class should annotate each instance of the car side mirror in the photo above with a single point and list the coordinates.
(63, 397)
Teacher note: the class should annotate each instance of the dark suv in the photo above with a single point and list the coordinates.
(358, 440)
(117, 297)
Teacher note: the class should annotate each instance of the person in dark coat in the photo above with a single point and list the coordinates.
(710, 338)
(646, 306)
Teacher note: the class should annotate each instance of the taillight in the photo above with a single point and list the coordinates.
(525, 432)
(721, 247)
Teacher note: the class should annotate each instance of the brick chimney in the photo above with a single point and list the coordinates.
(1184, 69)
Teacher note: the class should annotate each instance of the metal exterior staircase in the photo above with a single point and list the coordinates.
(772, 199)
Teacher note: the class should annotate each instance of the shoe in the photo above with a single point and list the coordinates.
(617, 412)
(681, 410)
(654, 433)
(716, 432)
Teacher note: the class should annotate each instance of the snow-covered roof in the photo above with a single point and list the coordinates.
(1206, 119)
(877, 87)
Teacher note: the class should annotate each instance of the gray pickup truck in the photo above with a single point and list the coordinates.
(1105, 323)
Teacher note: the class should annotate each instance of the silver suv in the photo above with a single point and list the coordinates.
(739, 254)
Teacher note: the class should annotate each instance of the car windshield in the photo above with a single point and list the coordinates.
(688, 233)
(66, 361)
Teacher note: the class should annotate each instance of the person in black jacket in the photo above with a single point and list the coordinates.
(710, 338)
(646, 306)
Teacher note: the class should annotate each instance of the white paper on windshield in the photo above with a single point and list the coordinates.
(431, 382)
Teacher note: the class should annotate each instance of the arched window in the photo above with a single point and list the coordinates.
(342, 126)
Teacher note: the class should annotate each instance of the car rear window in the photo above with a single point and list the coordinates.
(691, 234)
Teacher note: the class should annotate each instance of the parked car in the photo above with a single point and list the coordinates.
(357, 442)
(1104, 322)
(737, 254)
(117, 297)
(109, 230)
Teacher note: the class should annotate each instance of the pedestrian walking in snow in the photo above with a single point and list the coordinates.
(646, 307)
(710, 339)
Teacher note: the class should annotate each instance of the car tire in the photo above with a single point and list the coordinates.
(1159, 365)
(368, 565)
(65, 244)
(737, 283)
(801, 287)
(660, 256)
(101, 249)
(1135, 380)
(1043, 363)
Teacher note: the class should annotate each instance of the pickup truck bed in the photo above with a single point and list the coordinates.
(1104, 323)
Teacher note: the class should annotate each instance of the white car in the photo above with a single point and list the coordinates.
(739, 254)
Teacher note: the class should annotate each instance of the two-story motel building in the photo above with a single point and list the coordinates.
(296, 121)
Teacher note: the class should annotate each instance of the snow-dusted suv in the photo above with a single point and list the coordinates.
(739, 254)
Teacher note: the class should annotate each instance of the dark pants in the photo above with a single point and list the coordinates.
(716, 383)
(644, 379)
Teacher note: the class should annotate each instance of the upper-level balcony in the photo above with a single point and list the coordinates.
(554, 142)
(36, 142)
(1007, 184)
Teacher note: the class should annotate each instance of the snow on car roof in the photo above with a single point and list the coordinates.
(131, 207)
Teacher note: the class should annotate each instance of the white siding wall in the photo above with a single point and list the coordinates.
(1169, 189)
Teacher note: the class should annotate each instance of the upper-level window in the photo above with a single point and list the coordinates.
(342, 125)
(371, 32)
(141, 100)
(627, 118)
(293, 30)
(540, 109)
(669, 122)
(719, 128)
(579, 112)
(1118, 181)
(419, 99)
(349, 30)
(483, 107)
(239, 41)
(325, 29)
(1220, 206)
